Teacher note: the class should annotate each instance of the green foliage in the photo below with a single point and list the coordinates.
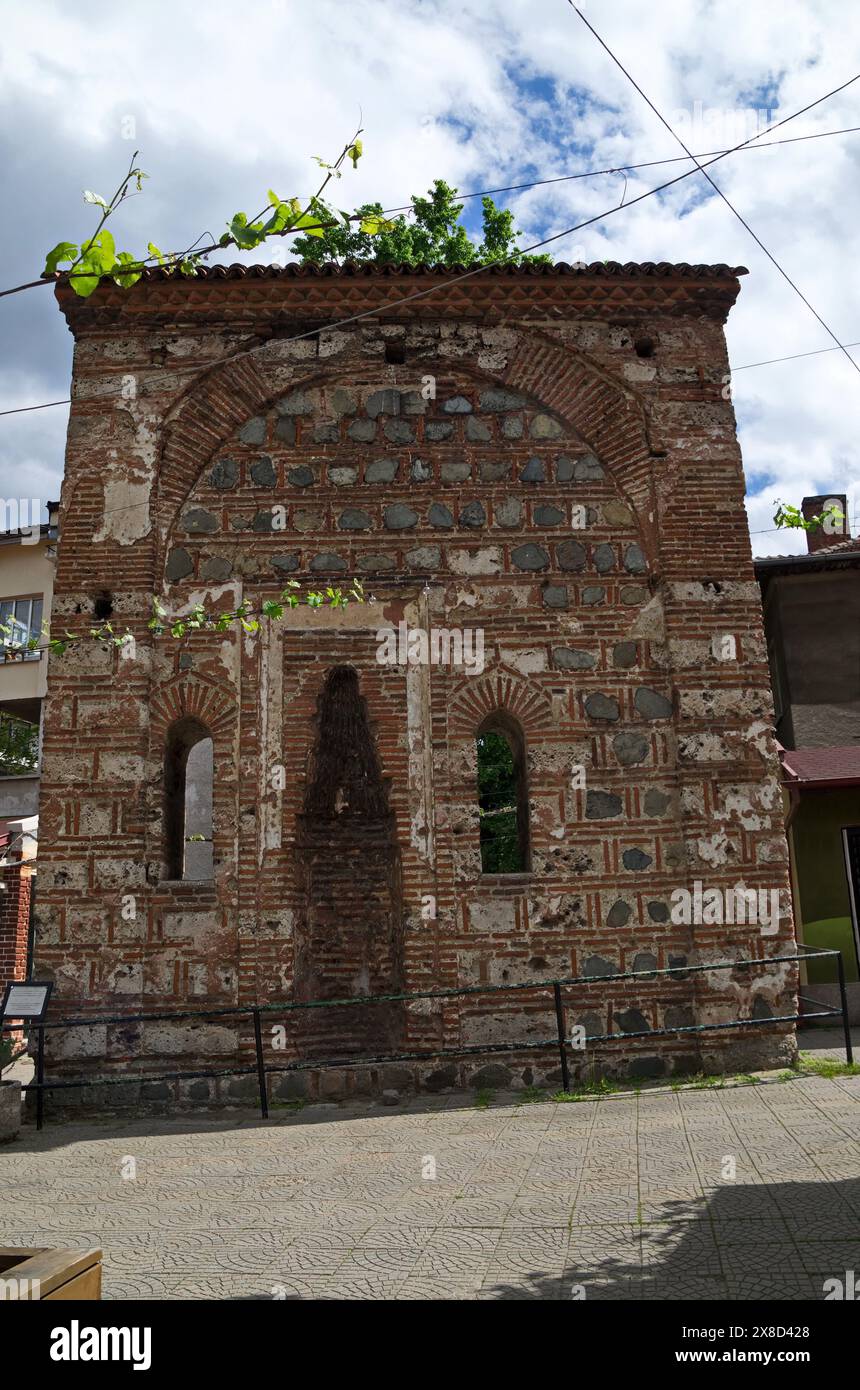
(199, 619)
(703, 1081)
(19, 746)
(274, 609)
(589, 1090)
(533, 1095)
(829, 1067)
(790, 518)
(431, 234)
(85, 265)
(497, 806)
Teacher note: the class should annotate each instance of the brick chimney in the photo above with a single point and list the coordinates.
(832, 531)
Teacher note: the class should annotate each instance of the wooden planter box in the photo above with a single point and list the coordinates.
(43, 1274)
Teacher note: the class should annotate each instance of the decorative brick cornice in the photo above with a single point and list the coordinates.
(242, 295)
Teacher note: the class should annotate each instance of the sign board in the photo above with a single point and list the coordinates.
(27, 999)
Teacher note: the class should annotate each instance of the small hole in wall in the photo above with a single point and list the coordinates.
(644, 347)
(103, 606)
(395, 352)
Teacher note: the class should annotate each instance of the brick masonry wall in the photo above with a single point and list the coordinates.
(15, 889)
(558, 469)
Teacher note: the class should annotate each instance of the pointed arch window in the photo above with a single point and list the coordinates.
(503, 805)
(188, 782)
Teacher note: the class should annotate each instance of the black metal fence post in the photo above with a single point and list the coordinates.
(40, 1077)
(843, 997)
(562, 1041)
(261, 1069)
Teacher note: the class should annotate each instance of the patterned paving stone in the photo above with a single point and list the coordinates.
(620, 1199)
(425, 1288)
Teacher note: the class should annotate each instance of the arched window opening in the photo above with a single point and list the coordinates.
(188, 778)
(503, 805)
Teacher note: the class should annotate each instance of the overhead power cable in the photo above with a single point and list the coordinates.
(20, 409)
(792, 358)
(631, 168)
(717, 189)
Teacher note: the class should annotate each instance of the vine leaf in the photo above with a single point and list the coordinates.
(63, 251)
(129, 278)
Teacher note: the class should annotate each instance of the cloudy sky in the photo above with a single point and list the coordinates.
(227, 100)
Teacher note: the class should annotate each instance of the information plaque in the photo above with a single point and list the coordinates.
(26, 999)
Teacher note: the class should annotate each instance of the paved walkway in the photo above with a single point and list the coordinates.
(630, 1197)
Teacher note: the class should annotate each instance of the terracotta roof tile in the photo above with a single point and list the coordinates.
(351, 269)
(840, 550)
(816, 766)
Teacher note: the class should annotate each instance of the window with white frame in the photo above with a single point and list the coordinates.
(20, 621)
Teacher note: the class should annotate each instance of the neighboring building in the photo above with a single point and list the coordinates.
(540, 458)
(26, 585)
(812, 623)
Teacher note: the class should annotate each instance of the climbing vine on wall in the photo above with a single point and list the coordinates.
(199, 619)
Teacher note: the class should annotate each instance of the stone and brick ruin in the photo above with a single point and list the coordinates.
(544, 455)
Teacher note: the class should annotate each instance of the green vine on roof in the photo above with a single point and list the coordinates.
(83, 265)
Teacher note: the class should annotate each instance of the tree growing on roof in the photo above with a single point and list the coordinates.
(431, 234)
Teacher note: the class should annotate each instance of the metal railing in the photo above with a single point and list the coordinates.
(262, 1068)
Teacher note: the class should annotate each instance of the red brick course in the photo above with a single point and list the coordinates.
(16, 881)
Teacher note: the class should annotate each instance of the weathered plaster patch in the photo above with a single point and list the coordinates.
(650, 620)
(128, 481)
(714, 850)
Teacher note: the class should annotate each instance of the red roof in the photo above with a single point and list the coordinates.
(821, 766)
(664, 270)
